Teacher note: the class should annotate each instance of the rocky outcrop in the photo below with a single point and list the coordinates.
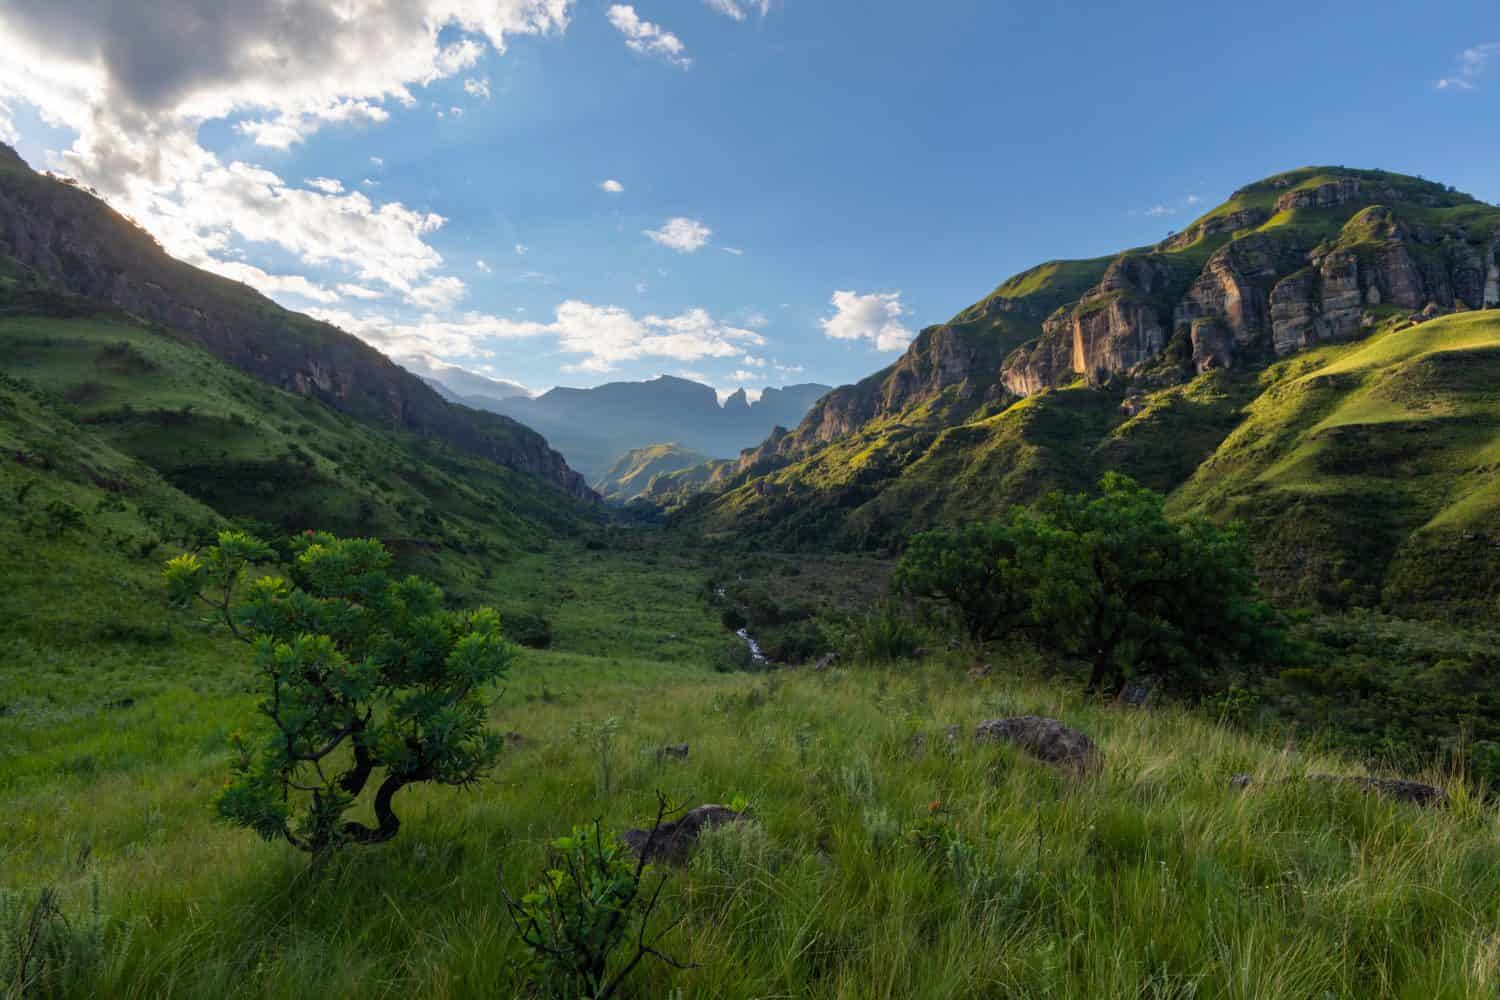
(80, 245)
(1045, 739)
(1214, 225)
(673, 842)
(1328, 195)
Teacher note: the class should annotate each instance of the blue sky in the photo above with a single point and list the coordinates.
(429, 174)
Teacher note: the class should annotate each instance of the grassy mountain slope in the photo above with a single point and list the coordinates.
(56, 234)
(638, 470)
(218, 444)
(1371, 472)
(1147, 362)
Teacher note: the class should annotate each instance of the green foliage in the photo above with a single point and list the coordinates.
(731, 656)
(979, 570)
(360, 673)
(587, 921)
(527, 628)
(44, 953)
(1108, 578)
(886, 633)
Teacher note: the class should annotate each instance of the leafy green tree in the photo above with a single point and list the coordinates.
(367, 681)
(980, 569)
(1135, 592)
(1109, 578)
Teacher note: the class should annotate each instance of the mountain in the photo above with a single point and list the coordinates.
(459, 385)
(639, 470)
(595, 427)
(1308, 357)
(68, 239)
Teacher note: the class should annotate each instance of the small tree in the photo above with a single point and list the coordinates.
(1135, 592)
(362, 675)
(1109, 578)
(979, 569)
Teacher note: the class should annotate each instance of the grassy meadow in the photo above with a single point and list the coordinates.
(889, 855)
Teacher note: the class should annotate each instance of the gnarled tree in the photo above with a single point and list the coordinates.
(368, 683)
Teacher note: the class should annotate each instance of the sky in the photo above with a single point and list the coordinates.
(745, 192)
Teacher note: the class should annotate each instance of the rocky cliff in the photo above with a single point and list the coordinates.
(1311, 256)
(78, 244)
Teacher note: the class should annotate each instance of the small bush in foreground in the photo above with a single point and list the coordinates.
(361, 674)
(587, 921)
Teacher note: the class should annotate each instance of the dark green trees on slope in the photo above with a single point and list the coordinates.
(361, 674)
(1107, 578)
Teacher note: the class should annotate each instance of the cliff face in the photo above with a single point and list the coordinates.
(79, 245)
(1308, 257)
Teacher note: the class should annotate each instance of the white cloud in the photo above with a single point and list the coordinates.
(612, 186)
(788, 369)
(438, 295)
(641, 287)
(753, 362)
(602, 336)
(478, 88)
(875, 317)
(291, 127)
(537, 278)
(757, 320)
(647, 38)
(1472, 63)
(522, 249)
(274, 284)
(735, 251)
(8, 133)
(135, 80)
(1160, 210)
(360, 292)
(327, 185)
(1192, 199)
(377, 161)
(682, 235)
(482, 266)
(729, 8)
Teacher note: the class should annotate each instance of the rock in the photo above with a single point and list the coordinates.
(980, 670)
(953, 732)
(1414, 792)
(516, 740)
(1336, 192)
(825, 661)
(1045, 739)
(1136, 695)
(1241, 781)
(677, 751)
(673, 842)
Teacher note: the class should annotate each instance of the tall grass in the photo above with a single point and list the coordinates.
(886, 859)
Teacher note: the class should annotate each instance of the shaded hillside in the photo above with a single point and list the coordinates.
(594, 427)
(638, 470)
(135, 424)
(71, 240)
(1147, 363)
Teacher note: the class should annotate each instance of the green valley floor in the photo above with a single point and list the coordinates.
(890, 855)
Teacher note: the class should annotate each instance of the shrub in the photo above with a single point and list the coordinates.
(1109, 578)
(733, 656)
(979, 570)
(527, 628)
(885, 633)
(734, 619)
(356, 669)
(797, 642)
(587, 920)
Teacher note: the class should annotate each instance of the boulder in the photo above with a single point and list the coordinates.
(673, 842)
(1414, 792)
(678, 751)
(1045, 739)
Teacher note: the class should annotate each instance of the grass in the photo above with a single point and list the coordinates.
(884, 860)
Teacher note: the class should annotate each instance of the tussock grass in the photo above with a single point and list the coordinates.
(885, 860)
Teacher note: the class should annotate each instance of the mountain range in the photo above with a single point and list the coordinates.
(1310, 357)
(595, 427)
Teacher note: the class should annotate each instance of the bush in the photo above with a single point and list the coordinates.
(1109, 578)
(885, 634)
(733, 656)
(356, 669)
(526, 628)
(734, 619)
(587, 920)
(797, 642)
